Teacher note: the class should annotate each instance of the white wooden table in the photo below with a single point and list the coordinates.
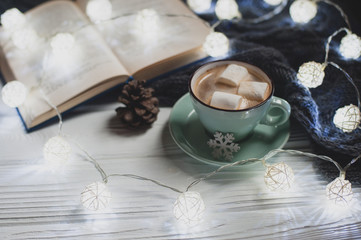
(37, 203)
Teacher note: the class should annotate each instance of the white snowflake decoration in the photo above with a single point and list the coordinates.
(223, 146)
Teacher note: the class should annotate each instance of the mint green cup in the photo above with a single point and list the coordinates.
(273, 111)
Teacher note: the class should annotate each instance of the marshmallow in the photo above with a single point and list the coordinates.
(246, 103)
(253, 90)
(226, 100)
(233, 75)
(205, 87)
(252, 78)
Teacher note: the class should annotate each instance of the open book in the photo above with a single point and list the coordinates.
(104, 55)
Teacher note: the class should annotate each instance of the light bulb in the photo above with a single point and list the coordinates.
(62, 43)
(199, 5)
(216, 44)
(302, 11)
(350, 46)
(279, 177)
(13, 20)
(311, 74)
(95, 196)
(273, 2)
(24, 38)
(14, 93)
(339, 191)
(189, 208)
(147, 22)
(99, 10)
(347, 118)
(56, 151)
(227, 9)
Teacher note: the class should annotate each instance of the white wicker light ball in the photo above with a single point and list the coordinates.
(279, 177)
(273, 2)
(62, 43)
(14, 93)
(347, 118)
(24, 38)
(311, 74)
(303, 11)
(99, 10)
(350, 46)
(13, 20)
(339, 191)
(147, 22)
(56, 151)
(216, 44)
(189, 208)
(227, 9)
(95, 196)
(199, 5)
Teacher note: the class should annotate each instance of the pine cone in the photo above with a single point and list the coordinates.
(141, 108)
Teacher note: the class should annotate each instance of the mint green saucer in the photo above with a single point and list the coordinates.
(189, 134)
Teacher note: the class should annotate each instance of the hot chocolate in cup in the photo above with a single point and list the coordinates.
(234, 97)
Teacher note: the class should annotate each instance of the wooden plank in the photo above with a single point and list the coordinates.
(36, 203)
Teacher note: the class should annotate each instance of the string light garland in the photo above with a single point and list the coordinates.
(99, 10)
(96, 196)
(56, 151)
(216, 44)
(350, 46)
(339, 191)
(273, 2)
(227, 9)
(189, 207)
(311, 74)
(303, 11)
(14, 93)
(62, 43)
(24, 38)
(199, 5)
(147, 22)
(347, 118)
(279, 177)
(13, 20)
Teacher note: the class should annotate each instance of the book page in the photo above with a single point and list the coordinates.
(61, 76)
(177, 34)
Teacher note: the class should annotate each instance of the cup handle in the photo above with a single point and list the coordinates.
(278, 112)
